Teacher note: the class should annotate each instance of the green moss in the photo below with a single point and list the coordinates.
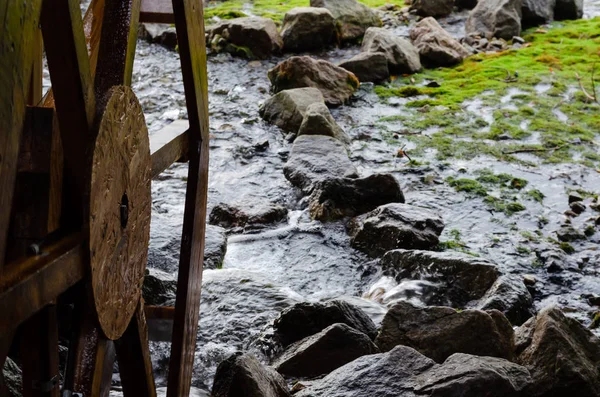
(467, 185)
(511, 208)
(403, 92)
(568, 248)
(502, 179)
(589, 230)
(536, 195)
(522, 250)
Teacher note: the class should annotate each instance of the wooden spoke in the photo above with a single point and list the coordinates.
(17, 37)
(157, 11)
(189, 23)
(168, 146)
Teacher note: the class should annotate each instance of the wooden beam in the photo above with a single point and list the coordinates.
(157, 11)
(189, 22)
(168, 146)
(17, 36)
(160, 322)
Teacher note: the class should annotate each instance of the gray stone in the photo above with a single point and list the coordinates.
(510, 296)
(435, 45)
(314, 158)
(351, 17)
(215, 247)
(568, 9)
(402, 56)
(286, 109)
(308, 28)
(319, 121)
(321, 353)
(395, 225)
(159, 33)
(537, 12)
(495, 18)
(433, 8)
(336, 84)
(159, 287)
(13, 378)
(229, 216)
(368, 66)
(258, 35)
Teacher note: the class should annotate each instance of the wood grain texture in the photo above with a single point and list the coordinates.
(169, 145)
(189, 23)
(120, 182)
(157, 11)
(17, 35)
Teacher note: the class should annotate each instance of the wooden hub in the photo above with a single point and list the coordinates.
(120, 209)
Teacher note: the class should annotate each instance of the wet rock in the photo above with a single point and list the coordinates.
(466, 4)
(13, 378)
(495, 18)
(215, 247)
(569, 234)
(394, 226)
(555, 260)
(438, 332)
(577, 207)
(368, 66)
(352, 17)
(319, 121)
(242, 375)
(402, 56)
(286, 109)
(432, 8)
(510, 296)
(537, 12)
(315, 158)
(561, 354)
(159, 33)
(308, 28)
(459, 278)
(159, 287)
(335, 83)
(229, 216)
(255, 36)
(568, 9)
(341, 197)
(306, 319)
(575, 197)
(435, 45)
(321, 353)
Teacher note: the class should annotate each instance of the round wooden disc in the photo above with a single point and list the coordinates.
(120, 209)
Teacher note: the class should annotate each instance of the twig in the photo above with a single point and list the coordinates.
(594, 95)
(531, 150)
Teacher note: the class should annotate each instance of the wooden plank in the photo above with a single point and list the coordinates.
(160, 322)
(189, 22)
(168, 145)
(157, 11)
(17, 36)
(133, 355)
(37, 70)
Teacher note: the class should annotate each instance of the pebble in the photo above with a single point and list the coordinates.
(529, 279)
(574, 197)
(578, 207)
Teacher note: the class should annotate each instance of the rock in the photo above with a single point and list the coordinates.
(351, 17)
(336, 84)
(13, 378)
(215, 247)
(577, 207)
(394, 226)
(159, 33)
(319, 121)
(561, 354)
(340, 197)
(438, 332)
(286, 109)
(306, 319)
(537, 12)
(308, 28)
(402, 56)
(432, 8)
(555, 260)
(569, 234)
(315, 158)
(321, 353)
(241, 375)
(435, 45)
(568, 9)
(258, 35)
(458, 278)
(229, 216)
(159, 287)
(575, 197)
(466, 4)
(495, 18)
(510, 296)
(368, 67)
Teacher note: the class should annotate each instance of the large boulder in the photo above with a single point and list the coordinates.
(561, 354)
(537, 12)
(458, 278)
(306, 319)
(432, 8)
(308, 28)
(395, 225)
(314, 158)
(242, 375)
(254, 36)
(435, 45)
(509, 295)
(159, 33)
(229, 216)
(568, 9)
(368, 66)
(319, 121)
(323, 352)
(286, 109)
(340, 197)
(438, 332)
(402, 56)
(495, 18)
(352, 17)
(336, 84)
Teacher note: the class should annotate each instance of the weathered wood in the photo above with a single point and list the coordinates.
(133, 355)
(37, 70)
(92, 27)
(168, 146)
(17, 35)
(189, 23)
(160, 322)
(157, 11)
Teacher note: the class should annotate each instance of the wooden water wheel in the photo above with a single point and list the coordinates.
(75, 202)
